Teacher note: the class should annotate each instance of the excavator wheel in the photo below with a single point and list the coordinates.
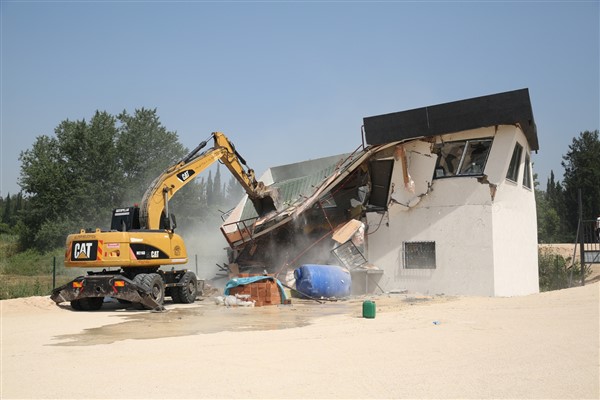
(87, 304)
(76, 305)
(188, 292)
(174, 293)
(139, 280)
(156, 287)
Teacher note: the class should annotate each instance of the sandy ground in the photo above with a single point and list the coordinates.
(538, 346)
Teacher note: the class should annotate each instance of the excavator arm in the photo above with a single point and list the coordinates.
(154, 210)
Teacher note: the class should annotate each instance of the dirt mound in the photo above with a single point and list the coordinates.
(27, 304)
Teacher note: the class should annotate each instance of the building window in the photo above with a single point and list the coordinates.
(515, 163)
(464, 158)
(419, 255)
(527, 173)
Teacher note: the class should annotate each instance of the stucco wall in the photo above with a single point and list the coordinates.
(480, 227)
(515, 230)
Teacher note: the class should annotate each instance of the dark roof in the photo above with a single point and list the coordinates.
(508, 108)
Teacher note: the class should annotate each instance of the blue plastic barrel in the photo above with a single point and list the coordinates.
(323, 280)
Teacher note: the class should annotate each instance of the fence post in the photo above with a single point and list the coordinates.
(196, 260)
(581, 238)
(53, 272)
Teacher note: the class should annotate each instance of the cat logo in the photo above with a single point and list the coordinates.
(185, 175)
(84, 251)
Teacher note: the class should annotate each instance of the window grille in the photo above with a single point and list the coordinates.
(419, 255)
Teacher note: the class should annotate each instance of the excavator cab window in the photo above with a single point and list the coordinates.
(125, 219)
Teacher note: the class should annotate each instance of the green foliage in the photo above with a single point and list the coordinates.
(52, 233)
(15, 286)
(556, 272)
(9, 246)
(553, 271)
(557, 206)
(32, 262)
(145, 148)
(11, 289)
(582, 171)
(29, 273)
(551, 218)
(11, 209)
(6, 213)
(75, 179)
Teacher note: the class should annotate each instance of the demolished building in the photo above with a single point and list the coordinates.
(437, 200)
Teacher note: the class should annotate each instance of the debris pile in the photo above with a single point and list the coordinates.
(262, 290)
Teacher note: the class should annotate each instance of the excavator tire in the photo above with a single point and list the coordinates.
(76, 305)
(174, 293)
(87, 304)
(188, 292)
(139, 280)
(156, 286)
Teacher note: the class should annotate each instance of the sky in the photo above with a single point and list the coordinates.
(292, 81)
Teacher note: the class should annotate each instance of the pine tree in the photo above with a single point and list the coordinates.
(233, 192)
(6, 214)
(209, 190)
(217, 189)
(582, 171)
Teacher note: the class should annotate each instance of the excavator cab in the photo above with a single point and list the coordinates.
(125, 219)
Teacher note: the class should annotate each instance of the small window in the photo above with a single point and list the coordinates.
(527, 173)
(515, 163)
(419, 255)
(465, 158)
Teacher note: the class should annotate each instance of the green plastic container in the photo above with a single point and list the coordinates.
(368, 309)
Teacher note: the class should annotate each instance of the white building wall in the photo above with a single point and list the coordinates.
(483, 230)
(463, 237)
(515, 230)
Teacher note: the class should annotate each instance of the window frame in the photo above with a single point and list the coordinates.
(515, 162)
(527, 173)
(466, 145)
(409, 263)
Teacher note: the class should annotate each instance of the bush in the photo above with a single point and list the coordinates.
(29, 273)
(556, 272)
(52, 234)
(15, 286)
(32, 262)
(9, 245)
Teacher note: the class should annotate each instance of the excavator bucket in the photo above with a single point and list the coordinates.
(265, 199)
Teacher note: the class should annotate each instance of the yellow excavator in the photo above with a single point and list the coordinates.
(142, 239)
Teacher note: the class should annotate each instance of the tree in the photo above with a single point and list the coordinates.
(582, 171)
(233, 192)
(74, 179)
(44, 178)
(217, 187)
(91, 167)
(210, 198)
(551, 212)
(6, 213)
(145, 149)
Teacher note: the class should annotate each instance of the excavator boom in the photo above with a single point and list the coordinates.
(154, 213)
